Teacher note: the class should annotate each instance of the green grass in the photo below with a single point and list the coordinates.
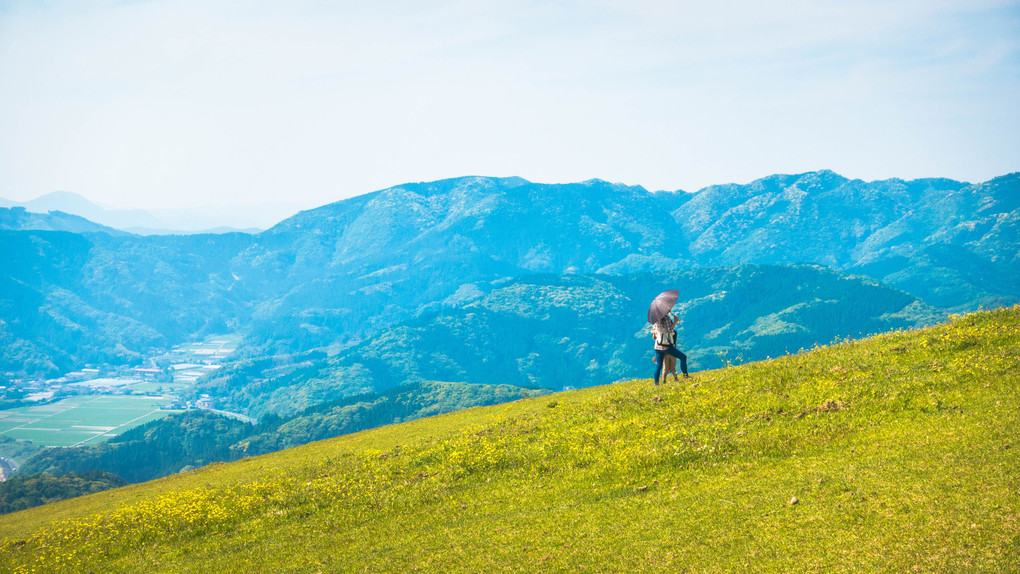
(86, 419)
(900, 449)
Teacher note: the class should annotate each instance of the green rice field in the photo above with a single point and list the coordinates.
(89, 419)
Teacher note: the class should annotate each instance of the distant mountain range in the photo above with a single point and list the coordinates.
(249, 219)
(20, 219)
(501, 280)
(349, 267)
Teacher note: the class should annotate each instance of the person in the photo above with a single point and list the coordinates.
(669, 361)
(664, 334)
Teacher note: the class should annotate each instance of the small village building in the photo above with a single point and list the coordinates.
(148, 374)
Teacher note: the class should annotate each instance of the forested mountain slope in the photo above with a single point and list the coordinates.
(349, 267)
(562, 331)
(69, 299)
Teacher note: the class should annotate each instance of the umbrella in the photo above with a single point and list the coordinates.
(662, 305)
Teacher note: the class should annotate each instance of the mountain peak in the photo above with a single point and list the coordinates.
(65, 201)
(808, 181)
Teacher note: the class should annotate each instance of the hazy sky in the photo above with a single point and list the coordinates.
(180, 103)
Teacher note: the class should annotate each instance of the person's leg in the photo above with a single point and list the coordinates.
(682, 357)
(658, 364)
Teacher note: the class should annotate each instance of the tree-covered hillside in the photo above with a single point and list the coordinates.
(23, 492)
(404, 403)
(340, 272)
(69, 299)
(578, 331)
(153, 450)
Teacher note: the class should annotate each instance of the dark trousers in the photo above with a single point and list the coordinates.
(669, 351)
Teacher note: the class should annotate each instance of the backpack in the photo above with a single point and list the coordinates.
(664, 336)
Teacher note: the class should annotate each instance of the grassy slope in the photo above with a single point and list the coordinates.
(901, 449)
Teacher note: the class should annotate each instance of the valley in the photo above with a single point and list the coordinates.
(98, 402)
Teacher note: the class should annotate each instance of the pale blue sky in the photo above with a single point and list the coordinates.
(183, 103)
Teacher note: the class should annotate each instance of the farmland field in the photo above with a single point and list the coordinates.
(80, 420)
(163, 388)
(214, 346)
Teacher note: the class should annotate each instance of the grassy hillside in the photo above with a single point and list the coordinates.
(898, 453)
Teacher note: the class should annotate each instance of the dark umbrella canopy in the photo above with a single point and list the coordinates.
(662, 305)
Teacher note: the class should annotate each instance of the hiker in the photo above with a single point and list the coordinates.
(664, 333)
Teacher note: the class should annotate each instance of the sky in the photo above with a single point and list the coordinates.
(189, 103)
